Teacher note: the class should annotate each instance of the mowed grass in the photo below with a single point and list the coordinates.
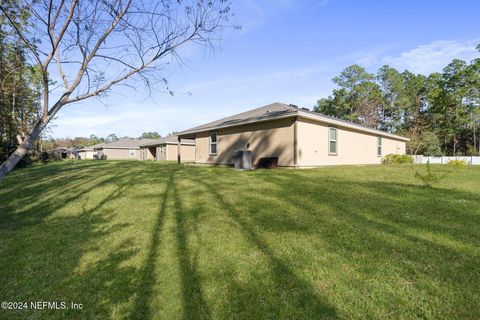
(146, 240)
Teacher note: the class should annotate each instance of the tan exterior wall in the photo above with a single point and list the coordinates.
(172, 154)
(149, 153)
(162, 152)
(86, 154)
(168, 152)
(266, 139)
(122, 154)
(353, 147)
(187, 153)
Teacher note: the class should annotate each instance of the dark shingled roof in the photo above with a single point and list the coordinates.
(127, 143)
(168, 139)
(95, 146)
(279, 110)
(272, 111)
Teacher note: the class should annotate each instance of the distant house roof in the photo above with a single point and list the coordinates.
(171, 139)
(89, 148)
(128, 143)
(277, 111)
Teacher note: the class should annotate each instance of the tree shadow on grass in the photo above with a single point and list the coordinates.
(443, 211)
(145, 291)
(194, 304)
(288, 296)
(42, 259)
(44, 197)
(428, 236)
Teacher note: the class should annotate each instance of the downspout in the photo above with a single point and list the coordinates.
(295, 143)
(179, 150)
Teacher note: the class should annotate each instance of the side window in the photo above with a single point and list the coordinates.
(379, 147)
(213, 142)
(332, 141)
(132, 153)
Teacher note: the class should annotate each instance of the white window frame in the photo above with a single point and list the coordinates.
(379, 146)
(213, 143)
(332, 140)
(132, 153)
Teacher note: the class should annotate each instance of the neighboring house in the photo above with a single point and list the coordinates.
(60, 153)
(147, 149)
(167, 149)
(88, 152)
(123, 149)
(291, 137)
(72, 153)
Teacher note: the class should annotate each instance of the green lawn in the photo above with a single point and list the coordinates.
(149, 240)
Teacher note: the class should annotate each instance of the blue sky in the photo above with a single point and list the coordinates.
(286, 51)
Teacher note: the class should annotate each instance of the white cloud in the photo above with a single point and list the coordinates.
(433, 57)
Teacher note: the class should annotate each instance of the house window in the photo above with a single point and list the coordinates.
(132, 153)
(213, 142)
(332, 141)
(379, 147)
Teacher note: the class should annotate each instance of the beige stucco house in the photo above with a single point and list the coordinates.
(292, 137)
(167, 149)
(147, 149)
(123, 149)
(88, 152)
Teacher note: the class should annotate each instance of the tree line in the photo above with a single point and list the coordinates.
(439, 112)
(19, 86)
(51, 143)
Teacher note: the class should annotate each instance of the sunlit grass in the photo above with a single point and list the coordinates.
(161, 241)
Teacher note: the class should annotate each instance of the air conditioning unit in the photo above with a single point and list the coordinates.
(242, 159)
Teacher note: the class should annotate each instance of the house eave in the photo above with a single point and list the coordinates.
(340, 123)
(301, 114)
(188, 132)
(117, 148)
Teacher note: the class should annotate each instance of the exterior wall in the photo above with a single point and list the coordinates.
(88, 154)
(353, 147)
(167, 152)
(187, 152)
(172, 154)
(122, 154)
(162, 152)
(148, 153)
(265, 139)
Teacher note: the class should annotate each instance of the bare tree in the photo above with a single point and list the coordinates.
(91, 46)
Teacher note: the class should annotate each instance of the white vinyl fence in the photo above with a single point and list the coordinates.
(475, 160)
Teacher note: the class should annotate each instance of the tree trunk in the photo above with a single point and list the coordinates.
(23, 148)
(475, 138)
(454, 146)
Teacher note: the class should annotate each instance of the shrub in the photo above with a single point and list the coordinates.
(24, 162)
(428, 178)
(44, 157)
(397, 159)
(458, 164)
(472, 151)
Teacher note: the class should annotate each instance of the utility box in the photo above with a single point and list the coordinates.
(242, 159)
